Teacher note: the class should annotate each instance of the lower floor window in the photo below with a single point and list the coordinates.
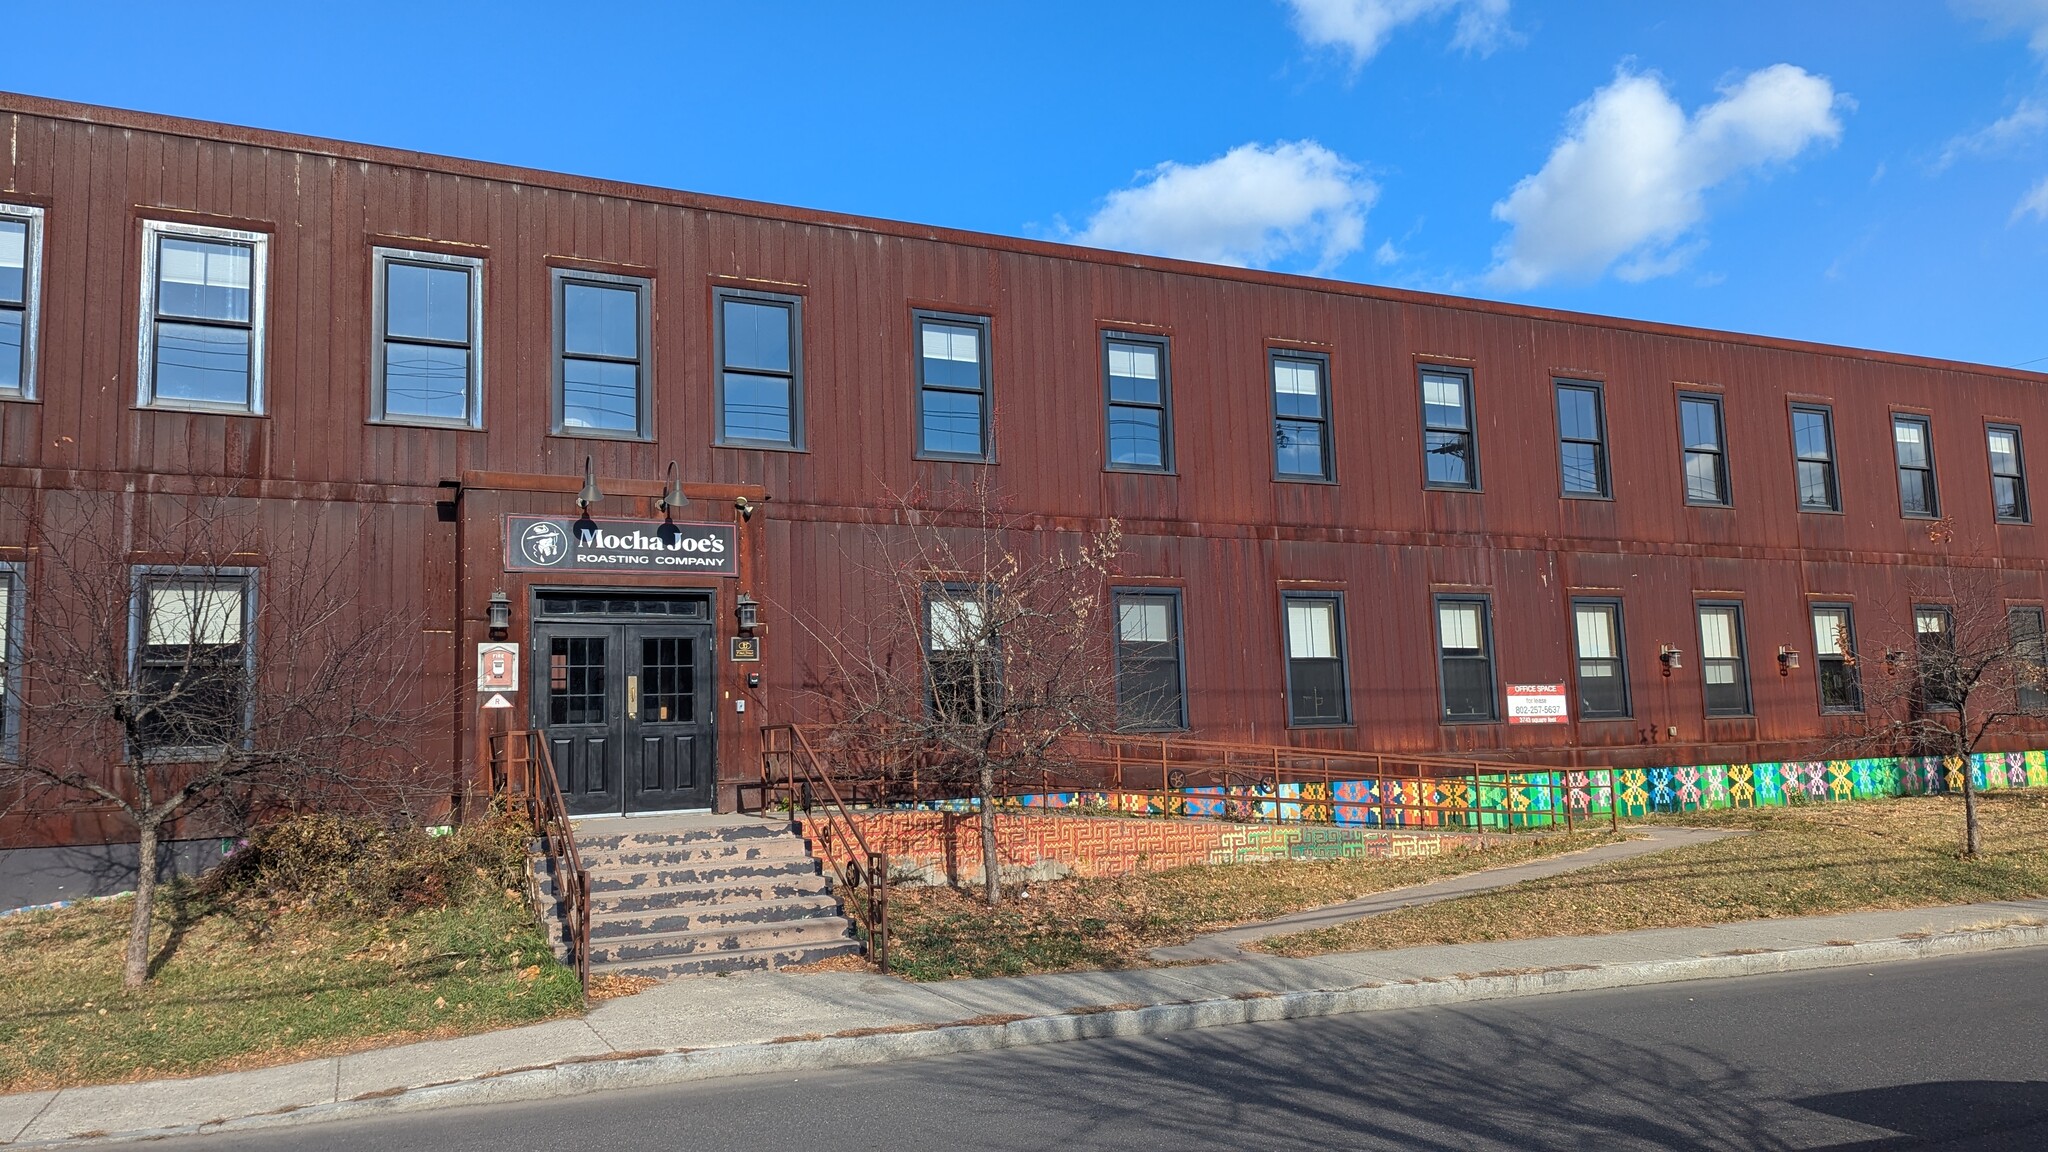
(192, 664)
(1465, 657)
(1834, 652)
(1148, 671)
(1724, 665)
(1603, 670)
(1315, 660)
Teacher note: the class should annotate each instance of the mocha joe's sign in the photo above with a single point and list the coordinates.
(582, 544)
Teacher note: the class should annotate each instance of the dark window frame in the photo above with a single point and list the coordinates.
(1620, 659)
(31, 307)
(642, 287)
(1740, 660)
(1342, 659)
(1176, 622)
(1163, 346)
(13, 618)
(1605, 489)
(145, 577)
(149, 316)
(1852, 665)
(2018, 477)
(1469, 407)
(1926, 426)
(1827, 462)
(793, 306)
(1325, 421)
(1443, 680)
(381, 260)
(1719, 452)
(2030, 699)
(985, 324)
(958, 592)
(1925, 698)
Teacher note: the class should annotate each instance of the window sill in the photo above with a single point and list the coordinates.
(1923, 516)
(1323, 481)
(762, 446)
(1139, 470)
(1613, 718)
(1454, 489)
(1723, 505)
(192, 406)
(1466, 721)
(2005, 522)
(949, 458)
(1593, 496)
(1730, 715)
(1317, 725)
(1841, 711)
(17, 396)
(1807, 510)
(424, 424)
(601, 434)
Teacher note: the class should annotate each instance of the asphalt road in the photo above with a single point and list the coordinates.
(1949, 1054)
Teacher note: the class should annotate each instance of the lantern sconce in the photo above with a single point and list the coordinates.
(590, 493)
(748, 610)
(672, 499)
(1672, 657)
(1788, 659)
(500, 614)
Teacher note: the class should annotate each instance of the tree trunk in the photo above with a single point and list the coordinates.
(1972, 839)
(137, 971)
(991, 864)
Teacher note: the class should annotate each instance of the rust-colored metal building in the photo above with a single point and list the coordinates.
(1353, 517)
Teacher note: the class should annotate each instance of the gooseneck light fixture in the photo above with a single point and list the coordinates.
(672, 498)
(590, 493)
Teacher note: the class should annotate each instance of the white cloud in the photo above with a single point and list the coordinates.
(1364, 26)
(1627, 182)
(1252, 206)
(2034, 203)
(2029, 17)
(2026, 120)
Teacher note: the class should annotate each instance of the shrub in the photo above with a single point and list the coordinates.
(362, 866)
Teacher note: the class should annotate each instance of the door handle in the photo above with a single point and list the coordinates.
(632, 697)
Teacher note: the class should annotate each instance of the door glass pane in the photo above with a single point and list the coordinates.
(668, 680)
(576, 680)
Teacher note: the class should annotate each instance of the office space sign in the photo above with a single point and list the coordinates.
(573, 544)
(1537, 704)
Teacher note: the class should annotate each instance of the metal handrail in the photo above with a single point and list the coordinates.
(549, 814)
(869, 873)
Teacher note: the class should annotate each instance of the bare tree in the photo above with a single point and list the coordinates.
(1957, 667)
(179, 659)
(986, 644)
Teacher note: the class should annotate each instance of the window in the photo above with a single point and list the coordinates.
(427, 366)
(10, 658)
(193, 661)
(1813, 458)
(960, 656)
(1149, 696)
(1724, 660)
(2030, 652)
(1449, 458)
(760, 369)
(1465, 657)
(952, 386)
(1140, 433)
(1935, 658)
(1315, 660)
(1301, 416)
(1603, 668)
(2008, 474)
(1706, 464)
(21, 283)
(601, 354)
(202, 317)
(1581, 440)
(1915, 453)
(1834, 655)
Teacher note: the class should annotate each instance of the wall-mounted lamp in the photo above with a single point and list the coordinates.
(1672, 657)
(1788, 659)
(672, 498)
(590, 493)
(745, 506)
(748, 610)
(499, 614)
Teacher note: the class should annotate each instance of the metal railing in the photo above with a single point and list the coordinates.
(794, 775)
(522, 766)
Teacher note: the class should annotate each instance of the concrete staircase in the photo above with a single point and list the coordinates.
(683, 895)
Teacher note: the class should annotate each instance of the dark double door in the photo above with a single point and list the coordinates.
(628, 713)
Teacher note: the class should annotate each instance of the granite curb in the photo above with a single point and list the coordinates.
(874, 1046)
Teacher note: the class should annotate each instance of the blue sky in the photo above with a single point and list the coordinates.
(1871, 173)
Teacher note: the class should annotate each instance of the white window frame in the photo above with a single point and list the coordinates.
(259, 293)
(31, 296)
(381, 259)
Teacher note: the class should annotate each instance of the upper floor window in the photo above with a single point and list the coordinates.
(2008, 474)
(952, 386)
(1316, 692)
(1581, 439)
(1603, 665)
(21, 282)
(1149, 694)
(427, 367)
(201, 343)
(760, 369)
(1140, 433)
(1813, 458)
(193, 658)
(2030, 652)
(1914, 448)
(1706, 463)
(1465, 657)
(601, 354)
(1834, 654)
(1724, 660)
(1301, 416)
(1449, 453)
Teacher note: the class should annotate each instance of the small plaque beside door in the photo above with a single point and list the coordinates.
(746, 648)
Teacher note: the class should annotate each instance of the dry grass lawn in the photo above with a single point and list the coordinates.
(1804, 861)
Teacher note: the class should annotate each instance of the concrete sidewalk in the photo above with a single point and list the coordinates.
(705, 1027)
